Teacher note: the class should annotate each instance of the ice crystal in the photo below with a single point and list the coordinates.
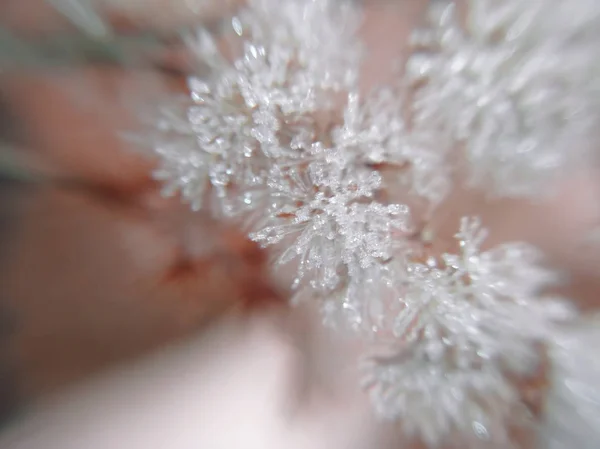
(309, 34)
(216, 147)
(247, 113)
(507, 97)
(326, 214)
(516, 86)
(368, 302)
(376, 131)
(471, 323)
(326, 218)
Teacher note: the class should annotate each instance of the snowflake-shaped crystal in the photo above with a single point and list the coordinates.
(516, 87)
(471, 324)
(325, 216)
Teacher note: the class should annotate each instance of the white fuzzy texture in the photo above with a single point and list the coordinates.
(517, 87)
(572, 413)
(279, 138)
(471, 324)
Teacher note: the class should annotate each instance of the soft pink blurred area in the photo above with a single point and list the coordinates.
(99, 271)
(98, 268)
(237, 387)
(40, 17)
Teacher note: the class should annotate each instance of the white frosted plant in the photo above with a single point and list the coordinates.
(248, 111)
(211, 145)
(471, 324)
(309, 34)
(327, 218)
(277, 131)
(375, 130)
(515, 86)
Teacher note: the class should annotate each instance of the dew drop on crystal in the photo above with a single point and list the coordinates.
(237, 26)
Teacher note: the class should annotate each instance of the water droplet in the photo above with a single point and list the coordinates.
(253, 52)
(237, 26)
(480, 431)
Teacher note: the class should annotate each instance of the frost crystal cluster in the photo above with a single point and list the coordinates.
(277, 135)
(471, 324)
(514, 85)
